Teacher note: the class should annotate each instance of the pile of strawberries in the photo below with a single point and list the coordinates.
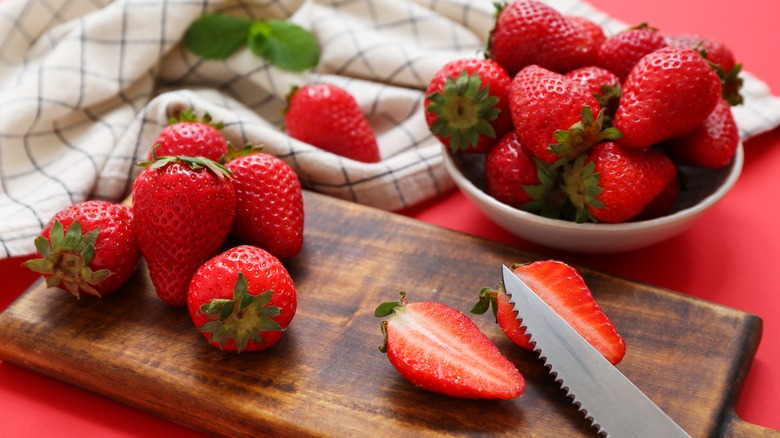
(213, 224)
(580, 126)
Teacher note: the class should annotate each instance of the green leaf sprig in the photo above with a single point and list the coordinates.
(284, 44)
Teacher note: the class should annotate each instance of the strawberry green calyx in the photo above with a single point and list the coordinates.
(487, 301)
(547, 197)
(387, 309)
(731, 82)
(189, 116)
(498, 7)
(194, 163)
(248, 149)
(465, 110)
(66, 259)
(240, 319)
(608, 99)
(582, 135)
(581, 184)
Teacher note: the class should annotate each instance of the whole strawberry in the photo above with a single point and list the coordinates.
(440, 349)
(242, 299)
(87, 247)
(602, 83)
(662, 204)
(183, 209)
(328, 117)
(612, 184)
(191, 136)
(720, 56)
(554, 115)
(269, 204)
(528, 32)
(565, 291)
(712, 144)
(591, 28)
(466, 104)
(667, 94)
(508, 167)
(620, 52)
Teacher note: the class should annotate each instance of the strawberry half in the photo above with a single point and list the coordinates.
(565, 291)
(439, 349)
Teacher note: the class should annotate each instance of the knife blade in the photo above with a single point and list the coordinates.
(611, 402)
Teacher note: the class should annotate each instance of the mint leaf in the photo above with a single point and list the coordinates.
(217, 36)
(284, 44)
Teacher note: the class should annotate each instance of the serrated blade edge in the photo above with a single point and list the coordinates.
(613, 404)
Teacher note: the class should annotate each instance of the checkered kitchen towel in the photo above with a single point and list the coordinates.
(86, 85)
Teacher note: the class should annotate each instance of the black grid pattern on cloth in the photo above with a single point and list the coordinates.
(86, 86)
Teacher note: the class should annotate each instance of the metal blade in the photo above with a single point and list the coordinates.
(607, 398)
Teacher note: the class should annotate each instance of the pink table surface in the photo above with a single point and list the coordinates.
(730, 256)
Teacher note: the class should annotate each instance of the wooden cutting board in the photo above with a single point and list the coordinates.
(327, 378)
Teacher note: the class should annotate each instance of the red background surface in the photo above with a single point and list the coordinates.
(730, 256)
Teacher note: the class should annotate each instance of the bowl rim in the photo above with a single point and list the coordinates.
(692, 211)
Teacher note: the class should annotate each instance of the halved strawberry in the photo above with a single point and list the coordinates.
(565, 291)
(439, 349)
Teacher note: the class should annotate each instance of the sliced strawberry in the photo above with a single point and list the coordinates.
(439, 349)
(565, 291)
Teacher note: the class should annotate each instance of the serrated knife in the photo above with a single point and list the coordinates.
(614, 405)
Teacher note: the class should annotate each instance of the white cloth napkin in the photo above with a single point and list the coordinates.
(86, 86)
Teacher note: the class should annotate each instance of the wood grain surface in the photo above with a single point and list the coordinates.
(327, 378)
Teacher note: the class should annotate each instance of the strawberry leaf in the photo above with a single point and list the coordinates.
(284, 44)
(217, 36)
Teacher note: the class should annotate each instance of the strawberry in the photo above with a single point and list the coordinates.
(613, 184)
(188, 135)
(620, 52)
(87, 247)
(591, 28)
(508, 167)
(269, 203)
(712, 144)
(663, 203)
(440, 349)
(466, 106)
(328, 117)
(183, 209)
(720, 56)
(528, 32)
(602, 83)
(667, 94)
(565, 291)
(242, 299)
(553, 115)
(593, 78)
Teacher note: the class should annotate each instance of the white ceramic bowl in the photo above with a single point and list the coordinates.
(704, 189)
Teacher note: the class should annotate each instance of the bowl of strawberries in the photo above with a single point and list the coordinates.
(587, 143)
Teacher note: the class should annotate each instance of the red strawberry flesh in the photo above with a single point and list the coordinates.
(565, 291)
(439, 349)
